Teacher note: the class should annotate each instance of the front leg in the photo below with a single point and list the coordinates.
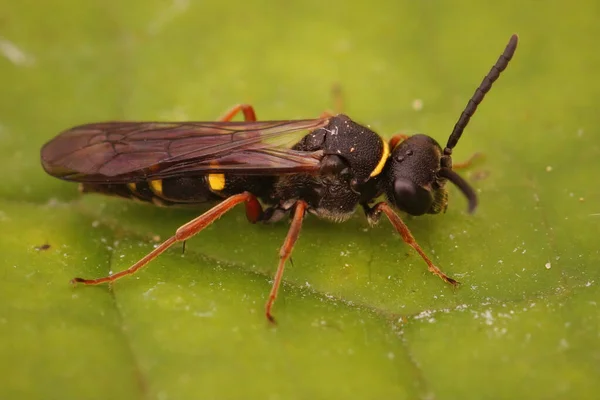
(374, 213)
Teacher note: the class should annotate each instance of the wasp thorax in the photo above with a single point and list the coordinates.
(358, 148)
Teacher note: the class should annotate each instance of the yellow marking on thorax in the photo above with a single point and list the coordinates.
(384, 156)
(156, 187)
(216, 182)
(131, 186)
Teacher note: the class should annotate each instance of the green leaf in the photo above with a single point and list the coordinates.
(359, 315)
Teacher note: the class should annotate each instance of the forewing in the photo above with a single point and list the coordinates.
(121, 152)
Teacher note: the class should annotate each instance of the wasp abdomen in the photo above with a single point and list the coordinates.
(165, 192)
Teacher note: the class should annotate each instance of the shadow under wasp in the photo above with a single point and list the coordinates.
(326, 166)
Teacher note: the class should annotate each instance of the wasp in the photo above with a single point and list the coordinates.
(326, 166)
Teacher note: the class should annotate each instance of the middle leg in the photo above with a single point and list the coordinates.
(284, 254)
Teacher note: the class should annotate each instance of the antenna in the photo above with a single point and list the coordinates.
(479, 94)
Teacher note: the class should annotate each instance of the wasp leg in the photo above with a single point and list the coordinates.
(373, 215)
(247, 109)
(338, 98)
(182, 234)
(338, 102)
(469, 162)
(250, 114)
(284, 254)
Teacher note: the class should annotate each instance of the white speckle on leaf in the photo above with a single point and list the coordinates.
(345, 45)
(417, 104)
(488, 317)
(549, 168)
(162, 395)
(146, 294)
(500, 331)
(390, 355)
(14, 54)
(167, 15)
(548, 265)
(3, 217)
(426, 315)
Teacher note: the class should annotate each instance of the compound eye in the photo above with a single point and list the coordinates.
(411, 198)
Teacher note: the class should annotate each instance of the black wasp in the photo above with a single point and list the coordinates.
(325, 166)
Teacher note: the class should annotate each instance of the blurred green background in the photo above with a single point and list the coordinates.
(359, 315)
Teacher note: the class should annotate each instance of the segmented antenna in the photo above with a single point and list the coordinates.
(479, 94)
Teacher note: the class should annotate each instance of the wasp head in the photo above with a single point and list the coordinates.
(416, 174)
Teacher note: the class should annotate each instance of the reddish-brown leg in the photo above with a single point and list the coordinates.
(182, 234)
(410, 240)
(466, 164)
(338, 99)
(247, 109)
(396, 139)
(338, 103)
(284, 254)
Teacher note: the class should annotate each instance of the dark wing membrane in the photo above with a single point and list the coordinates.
(121, 152)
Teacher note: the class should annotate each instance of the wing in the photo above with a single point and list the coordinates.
(121, 152)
